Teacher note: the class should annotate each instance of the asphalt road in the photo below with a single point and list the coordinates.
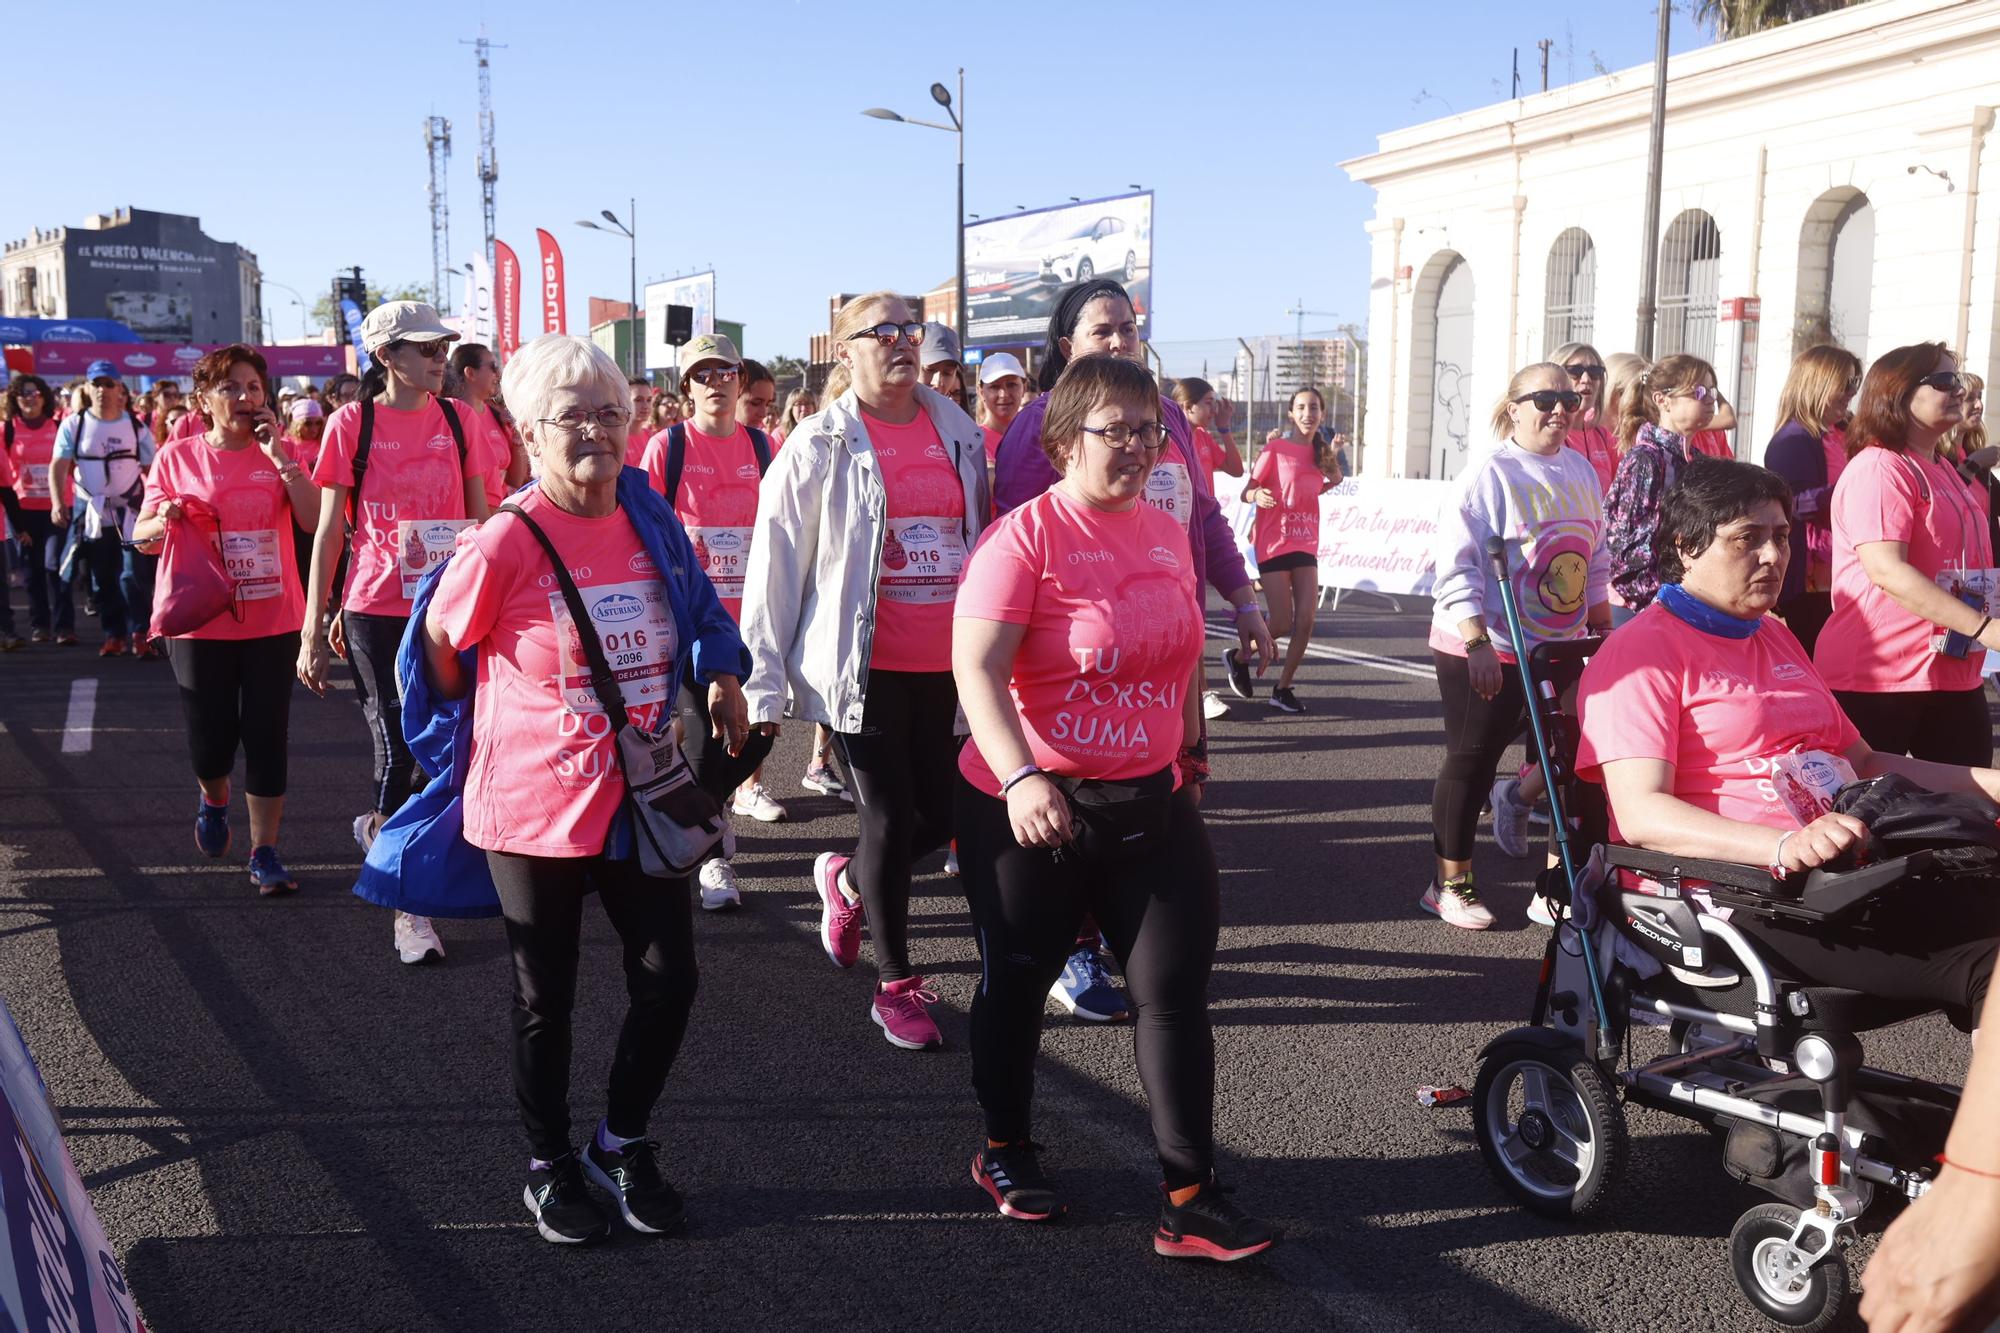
(283, 1128)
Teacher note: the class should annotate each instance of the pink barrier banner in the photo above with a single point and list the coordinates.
(158, 359)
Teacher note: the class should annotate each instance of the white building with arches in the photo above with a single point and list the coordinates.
(1840, 173)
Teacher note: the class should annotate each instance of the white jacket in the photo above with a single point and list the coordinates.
(809, 590)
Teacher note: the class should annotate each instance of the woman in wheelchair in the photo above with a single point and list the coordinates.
(1707, 725)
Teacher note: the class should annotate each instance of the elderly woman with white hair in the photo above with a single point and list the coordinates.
(542, 791)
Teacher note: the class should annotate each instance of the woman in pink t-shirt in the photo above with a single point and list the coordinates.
(1077, 650)
(1687, 712)
(474, 379)
(1286, 481)
(28, 424)
(1590, 433)
(863, 526)
(251, 498)
(543, 793)
(417, 491)
(1902, 649)
(1214, 441)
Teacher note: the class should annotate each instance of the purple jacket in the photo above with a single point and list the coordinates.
(1021, 472)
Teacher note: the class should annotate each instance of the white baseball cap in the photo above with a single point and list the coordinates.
(999, 366)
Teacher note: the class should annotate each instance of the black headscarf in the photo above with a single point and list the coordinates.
(1063, 320)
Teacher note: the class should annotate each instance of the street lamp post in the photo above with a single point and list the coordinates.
(630, 233)
(942, 96)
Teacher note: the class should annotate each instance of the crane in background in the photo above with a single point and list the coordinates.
(437, 143)
(489, 164)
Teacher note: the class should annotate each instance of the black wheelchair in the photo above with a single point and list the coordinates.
(1773, 1067)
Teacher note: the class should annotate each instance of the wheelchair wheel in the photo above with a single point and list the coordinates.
(1775, 1276)
(1550, 1127)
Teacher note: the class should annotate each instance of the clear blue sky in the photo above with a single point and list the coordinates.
(297, 131)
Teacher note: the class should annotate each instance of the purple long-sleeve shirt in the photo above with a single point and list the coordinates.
(1021, 471)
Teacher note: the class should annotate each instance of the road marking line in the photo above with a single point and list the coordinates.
(1370, 660)
(82, 712)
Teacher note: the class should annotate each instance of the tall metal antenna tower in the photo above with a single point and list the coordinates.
(437, 142)
(489, 165)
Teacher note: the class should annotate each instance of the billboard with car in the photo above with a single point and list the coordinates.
(1015, 265)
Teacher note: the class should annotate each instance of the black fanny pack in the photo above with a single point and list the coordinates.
(1113, 822)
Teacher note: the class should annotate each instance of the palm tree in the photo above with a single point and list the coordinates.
(1734, 18)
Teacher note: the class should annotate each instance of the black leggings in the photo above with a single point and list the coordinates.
(542, 900)
(901, 766)
(238, 692)
(1477, 733)
(1160, 915)
(1943, 726)
(372, 642)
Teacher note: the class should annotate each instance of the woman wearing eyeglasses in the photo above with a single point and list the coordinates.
(1541, 499)
(1286, 481)
(1911, 557)
(864, 523)
(1590, 434)
(1809, 451)
(419, 484)
(1674, 398)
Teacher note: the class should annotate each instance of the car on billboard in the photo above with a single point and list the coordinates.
(1104, 246)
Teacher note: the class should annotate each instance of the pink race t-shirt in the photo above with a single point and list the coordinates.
(1110, 602)
(716, 503)
(544, 777)
(8, 476)
(1719, 710)
(1870, 643)
(636, 440)
(1714, 443)
(1600, 447)
(34, 446)
(1208, 452)
(412, 504)
(1291, 525)
(991, 439)
(258, 534)
(304, 452)
(923, 552)
(489, 449)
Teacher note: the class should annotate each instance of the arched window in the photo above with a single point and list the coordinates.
(1569, 306)
(1441, 411)
(1690, 285)
(1836, 272)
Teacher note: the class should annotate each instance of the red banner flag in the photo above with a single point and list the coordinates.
(555, 318)
(507, 274)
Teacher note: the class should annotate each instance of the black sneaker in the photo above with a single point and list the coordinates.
(1012, 1177)
(1239, 674)
(645, 1200)
(1285, 701)
(1210, 1226)
(564, 1212)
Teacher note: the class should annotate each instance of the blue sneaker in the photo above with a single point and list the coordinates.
(211, 828)
(268, 873)
(1085, 989)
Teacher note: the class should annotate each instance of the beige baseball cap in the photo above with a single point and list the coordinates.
(416, 321)
(709, 347)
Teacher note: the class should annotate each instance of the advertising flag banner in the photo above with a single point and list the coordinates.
(162, 360)
(1015, 265)
(479, 302)
(351, 314)
(507, 279)
(697, 293)
(27, 332)
(555, 304)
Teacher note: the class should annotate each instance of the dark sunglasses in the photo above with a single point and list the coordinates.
(1545, 400)
(429, 351)
(1595, 372)
(714, 375)
(1944, 381)
(886, 334)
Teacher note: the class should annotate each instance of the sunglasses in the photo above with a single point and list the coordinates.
(1944, 381)
(886, 334)
(1545, 400)
(1582, 371)
(714, 375)
(429, 351)
(1701, 393)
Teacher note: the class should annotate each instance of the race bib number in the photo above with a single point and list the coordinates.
(1170, 488)
(724, 554)
(252, 560)
(1808, 780)
(34, 481)
(421, 543)
(635, 624)
(921, 560)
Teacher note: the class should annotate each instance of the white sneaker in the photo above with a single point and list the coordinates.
(1510, 817)
(1458, 905)
(416, 940)
(1542, 911)
(365, 829)
(717, 879)
(753, 802)
(1212, 706)
(951, 860)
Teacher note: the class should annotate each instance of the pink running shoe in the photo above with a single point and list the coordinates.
(902, 1011)
(839, 920)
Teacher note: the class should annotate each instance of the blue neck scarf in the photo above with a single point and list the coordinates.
(1691, 609)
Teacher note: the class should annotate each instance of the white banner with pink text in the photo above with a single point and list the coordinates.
(1376, 534)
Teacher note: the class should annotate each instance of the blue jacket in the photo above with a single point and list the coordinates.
(421, 862)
